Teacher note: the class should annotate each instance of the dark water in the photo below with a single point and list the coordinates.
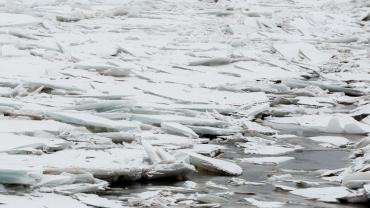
(312, 158)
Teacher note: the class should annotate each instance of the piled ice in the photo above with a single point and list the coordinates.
(98, 95)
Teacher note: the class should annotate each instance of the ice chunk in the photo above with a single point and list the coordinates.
(81, 187)
(333, 140)
(14, 174)
(339, 124)
(356, 180)
(264, 204)
(9, 19)
(214, 131)
(256, 127)
(106, 69)
(291, 52)
(214, 165)
(90, 120)
(164, 164)
(211, 184)
(295, 83)
(104, 164)
(151, 152)
(179, 129)
(169, 141)
(266, 149)
(97, 201)
(326, 194)
(210, 198)
(55, 180)
(37, 200)
(158, 119)
(18, 125)
(12, 142)
(266, 160)
(170, 170)
(210, 150)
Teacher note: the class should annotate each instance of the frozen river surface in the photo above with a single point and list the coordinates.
(196, 103)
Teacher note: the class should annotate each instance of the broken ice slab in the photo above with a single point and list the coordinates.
(213, 131)
(295, 83)
(152, 153)
(97, 201)
(210, 198)
(197, 95)
(342, 40)
(325, 194)
(179, 129)
(210, 150)
(213, 185)
(223, 109)
(12, 142)
(169, 141)
(69, 189)
(214, 165)
(267, 149)
(170, 170)
(337, 124)
(55, 180)
(11, 19)
(292, 51)
(335, 141)
(218, 61)
(89, 120)
(362, 110)
(164, 164)
(18, 126)
(356, 180)
(266, 160)
(108, 69)
(158, 119)
(102, 105)
(363, 142)
(14, 174)
(40, 200)
(264, 204)
(256, 127)
(104, 164)
(70, 88)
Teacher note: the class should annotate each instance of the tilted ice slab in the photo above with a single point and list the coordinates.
(40, 200)
(106, 69)
(169, 141)
(214, 165)
(97, 201)
(266, 160)
(102, 164)
(356, 180)
(9, 142)
(10, 19)
(18, 174)
(158, 119)
(266, 149)
(90, 120)
(214, 131)
(184, 94)
(326, 194)
(18, 125)
(338, 124)
(331, 140)
(291, 52)
(179, 129)
(264, 204)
